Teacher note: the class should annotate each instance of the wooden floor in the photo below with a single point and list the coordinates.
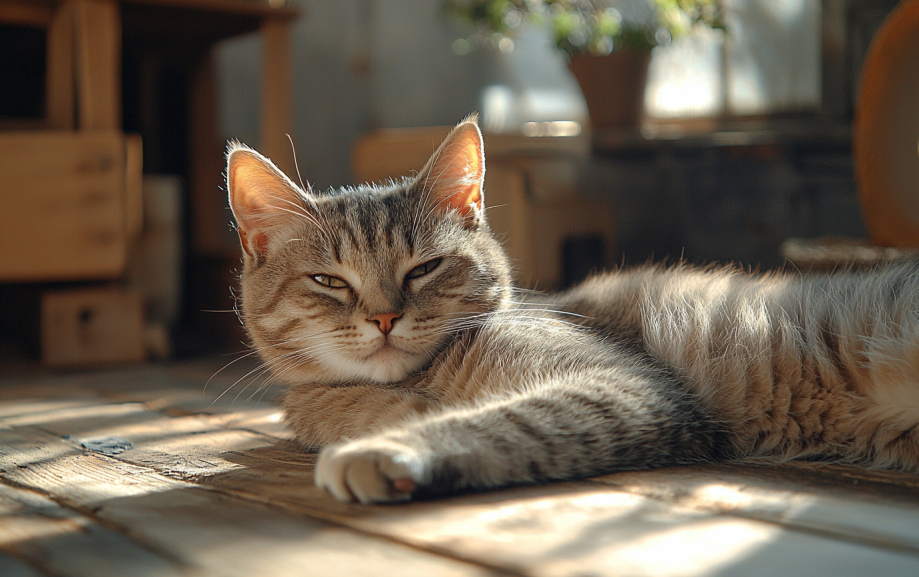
(144, 471)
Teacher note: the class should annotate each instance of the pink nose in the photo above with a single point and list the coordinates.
(384, 321)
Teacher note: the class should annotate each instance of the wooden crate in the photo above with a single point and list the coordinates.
(71, 204)
(92, 326)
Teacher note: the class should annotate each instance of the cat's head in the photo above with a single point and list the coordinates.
(366, 283)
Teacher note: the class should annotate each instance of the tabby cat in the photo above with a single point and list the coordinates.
(418, 368)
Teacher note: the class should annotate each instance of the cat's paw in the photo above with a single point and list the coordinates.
(370, 471)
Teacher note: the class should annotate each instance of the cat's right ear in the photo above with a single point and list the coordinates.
(262, 198)
(452, 181)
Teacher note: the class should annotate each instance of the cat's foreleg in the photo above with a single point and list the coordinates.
(555, 432)
(320, 415)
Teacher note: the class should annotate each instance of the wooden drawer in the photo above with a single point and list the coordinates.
(71, 204)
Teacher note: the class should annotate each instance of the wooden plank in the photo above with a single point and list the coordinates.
(60, 100)
(561, 530)
(63, 210)
(845, 502)
(208, 531)
(68, 413)
(147, 430)
(571, 526)
(223, 500)
(61, 541)
(24, 405)
(200, 387)
(98, 64)
(275, 115)
(568, 528)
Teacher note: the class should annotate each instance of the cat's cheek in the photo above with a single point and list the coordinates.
(372, 470)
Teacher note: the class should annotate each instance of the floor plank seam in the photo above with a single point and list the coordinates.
(244, 496)
(335, 520)
(787, 525)
(90, 513)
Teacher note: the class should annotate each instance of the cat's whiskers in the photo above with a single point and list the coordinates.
(226, 366)
(269, 367)
(280, 365)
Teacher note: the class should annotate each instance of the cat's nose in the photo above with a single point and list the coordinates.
(384, 321)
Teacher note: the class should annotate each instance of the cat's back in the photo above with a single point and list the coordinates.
(634, 301)
(798, 363)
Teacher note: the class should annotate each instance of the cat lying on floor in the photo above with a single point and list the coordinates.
(419, 369)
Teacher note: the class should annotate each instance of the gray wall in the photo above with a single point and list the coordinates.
(364, 64)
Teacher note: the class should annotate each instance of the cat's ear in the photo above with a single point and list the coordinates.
(262, 198)
(453, 179)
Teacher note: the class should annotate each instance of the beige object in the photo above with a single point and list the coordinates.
(71, 204)
(92, 326)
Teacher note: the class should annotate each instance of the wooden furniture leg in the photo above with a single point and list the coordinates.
(276, 94)
(59, 106)
(98, 64)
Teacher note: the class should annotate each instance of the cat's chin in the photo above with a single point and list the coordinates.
(387, 364)
(386, 369)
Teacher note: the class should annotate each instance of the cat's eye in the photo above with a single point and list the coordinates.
(330, 281)
(422, 269)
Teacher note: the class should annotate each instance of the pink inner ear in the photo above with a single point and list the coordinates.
(261, 243)
(460, 168)
(261, 197)
(247, 184)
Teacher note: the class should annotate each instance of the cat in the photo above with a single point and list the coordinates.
(419, 370)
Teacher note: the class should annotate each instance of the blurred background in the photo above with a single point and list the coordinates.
(722, 131)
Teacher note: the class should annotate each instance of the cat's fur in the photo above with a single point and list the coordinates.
(476, 385)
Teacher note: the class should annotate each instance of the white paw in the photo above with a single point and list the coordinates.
(370, 471)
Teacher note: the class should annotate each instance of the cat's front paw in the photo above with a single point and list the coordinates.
(370, 471)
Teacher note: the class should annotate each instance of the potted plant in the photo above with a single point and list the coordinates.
(607, 52)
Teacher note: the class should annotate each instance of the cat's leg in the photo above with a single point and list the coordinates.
(556, 432)
(320, 415)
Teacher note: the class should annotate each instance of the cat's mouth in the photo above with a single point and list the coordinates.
(386, 351)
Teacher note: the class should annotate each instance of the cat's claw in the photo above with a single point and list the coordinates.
(369, 471)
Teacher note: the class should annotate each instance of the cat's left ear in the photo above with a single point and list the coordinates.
(262, 198)
(453, 179)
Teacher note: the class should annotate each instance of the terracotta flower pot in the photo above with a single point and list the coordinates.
(613, 86)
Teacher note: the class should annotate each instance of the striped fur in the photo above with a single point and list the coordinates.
(477, 385)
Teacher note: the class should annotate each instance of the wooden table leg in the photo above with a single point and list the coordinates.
(98, 59)
(276, 93)
(59, 105)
